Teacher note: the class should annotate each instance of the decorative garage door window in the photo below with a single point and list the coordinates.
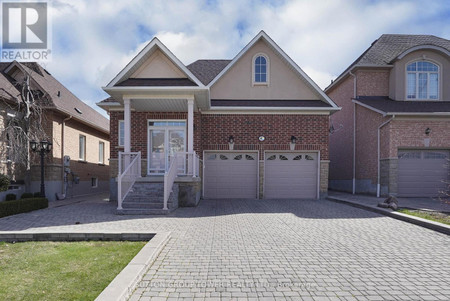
(287, 157)
(409, 155)
(231, 156)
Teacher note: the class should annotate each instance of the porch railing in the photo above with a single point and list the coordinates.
(188, 163)
(169, 178)
(129, 170)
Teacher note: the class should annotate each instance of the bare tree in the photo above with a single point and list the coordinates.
(24, 123)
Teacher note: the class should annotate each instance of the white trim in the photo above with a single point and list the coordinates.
(108, 104)
(138, 60)
(295, 152)
(266, 38)
(265, 112)
(150, 89)
(266, 83)
(231, 151)
(423, 47)
(127, 125)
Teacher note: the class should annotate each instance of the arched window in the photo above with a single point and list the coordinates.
(422, 80)
(260, 69)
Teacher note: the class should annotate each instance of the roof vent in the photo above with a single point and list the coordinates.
(78, 111)
(59, 93)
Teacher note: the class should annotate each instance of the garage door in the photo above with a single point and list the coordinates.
(230, 175)
(290, 175)
(422, 172)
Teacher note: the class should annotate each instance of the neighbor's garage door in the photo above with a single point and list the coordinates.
(230, 175)
(422, 172)
(290, 175)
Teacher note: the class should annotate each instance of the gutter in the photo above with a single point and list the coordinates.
(63, 188)
(379, 153)
(354, 135)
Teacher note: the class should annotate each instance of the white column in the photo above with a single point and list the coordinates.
(190, 135)
(190, 125)
(127, 125)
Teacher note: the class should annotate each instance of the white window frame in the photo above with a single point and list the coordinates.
(82, 151)
(266, 83)
(101, 152)
(417, 80)
(119, 136)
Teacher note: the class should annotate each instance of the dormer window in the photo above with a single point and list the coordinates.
(260, 69)
(422, 80)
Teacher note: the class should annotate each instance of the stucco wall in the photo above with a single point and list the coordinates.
(283, 83)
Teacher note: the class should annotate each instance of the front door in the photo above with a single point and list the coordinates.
(165, 138)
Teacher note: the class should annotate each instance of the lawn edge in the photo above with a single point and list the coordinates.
(124, 284)
(432, 225)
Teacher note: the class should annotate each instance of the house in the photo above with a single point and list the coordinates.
(392, 136)
(78, 162)
(255, 126)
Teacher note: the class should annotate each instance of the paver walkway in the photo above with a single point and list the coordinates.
(272, 250)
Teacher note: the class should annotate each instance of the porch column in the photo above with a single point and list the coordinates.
(190, 135)
(127, 125)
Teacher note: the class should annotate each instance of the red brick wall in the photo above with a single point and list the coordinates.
(411, 133)
(212, 131)
(372, 83)
(310, 130)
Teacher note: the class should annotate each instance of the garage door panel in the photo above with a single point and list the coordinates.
(290, 175)
(422, 173)
(230, 175)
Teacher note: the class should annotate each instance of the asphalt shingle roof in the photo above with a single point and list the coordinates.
(387, 105)
(207, 70)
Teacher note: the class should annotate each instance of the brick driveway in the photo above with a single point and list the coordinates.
(267, 250)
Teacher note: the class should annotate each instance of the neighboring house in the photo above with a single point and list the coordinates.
(392, 136)
(75, 129)
(259, 124)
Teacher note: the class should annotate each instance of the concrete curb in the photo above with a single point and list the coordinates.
(126, 282)
(438, 227)
(73, 236)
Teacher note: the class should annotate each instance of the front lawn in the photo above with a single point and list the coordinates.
(430, 215)
(61, 270)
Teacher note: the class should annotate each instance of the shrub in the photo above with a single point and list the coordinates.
(37, 194)
(10, 197)
(4, 182)
(26, 195)
(21, 206)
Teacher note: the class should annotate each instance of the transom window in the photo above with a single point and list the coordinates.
(260, 69)
(422, 80)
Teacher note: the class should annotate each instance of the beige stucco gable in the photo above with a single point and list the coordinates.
(284, 82)
(158, 65)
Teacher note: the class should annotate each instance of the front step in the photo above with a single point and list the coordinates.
(144, 211)
(144, 205)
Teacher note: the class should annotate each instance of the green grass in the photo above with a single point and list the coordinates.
(432, 216)
(61, 270)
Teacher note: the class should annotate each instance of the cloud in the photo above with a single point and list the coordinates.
(94, 40)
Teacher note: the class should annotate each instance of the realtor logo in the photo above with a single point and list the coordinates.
(25, 34)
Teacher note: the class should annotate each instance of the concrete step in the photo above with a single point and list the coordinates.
(144, 199)
(143, 211)
(142, 205)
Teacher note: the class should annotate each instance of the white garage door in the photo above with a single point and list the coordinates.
(291, 175)
(422, 173)
(230, 175)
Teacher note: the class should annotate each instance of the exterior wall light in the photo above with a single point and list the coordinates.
(293, 142)
(231, 142)
(427, 131)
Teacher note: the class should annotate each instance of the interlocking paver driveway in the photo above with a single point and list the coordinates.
(267, 250)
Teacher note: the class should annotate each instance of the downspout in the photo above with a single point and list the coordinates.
(63, 184)
(354, 134)
(379, 153)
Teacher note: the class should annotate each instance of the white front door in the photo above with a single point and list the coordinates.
(165, 138)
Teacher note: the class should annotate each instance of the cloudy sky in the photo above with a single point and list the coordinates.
(94, 40)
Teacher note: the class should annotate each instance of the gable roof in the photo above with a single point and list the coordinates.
(207, 70)
(389, 47)
(263, 36)
(58, 96)
(386, 106)
(143, 55)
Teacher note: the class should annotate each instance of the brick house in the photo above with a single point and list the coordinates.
(77, 132)
(392, 136)
(255, 126)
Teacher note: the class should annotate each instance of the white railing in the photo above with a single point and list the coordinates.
(129, 170)
(188, 164)
(169, 178)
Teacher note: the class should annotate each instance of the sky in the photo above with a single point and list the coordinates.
(93, 40)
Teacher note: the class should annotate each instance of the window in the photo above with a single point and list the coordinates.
(94, 182)
(260, 69)
(121, 133)
(101, 152)
(422, 80)
(82, 148)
